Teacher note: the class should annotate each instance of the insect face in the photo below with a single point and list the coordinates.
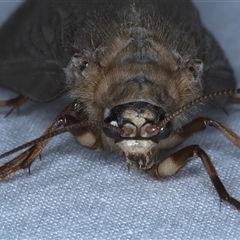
(139, 140)
(133, 69)
(132, 83)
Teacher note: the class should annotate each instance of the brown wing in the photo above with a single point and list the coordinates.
(33, 47)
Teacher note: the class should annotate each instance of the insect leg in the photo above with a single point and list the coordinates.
(14, 103)
(194, 126)
(26, 158)
(176, 161)
(84, 135)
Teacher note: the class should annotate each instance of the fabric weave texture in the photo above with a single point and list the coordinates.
(75, 193)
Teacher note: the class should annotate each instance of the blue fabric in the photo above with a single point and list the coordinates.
(74, 193)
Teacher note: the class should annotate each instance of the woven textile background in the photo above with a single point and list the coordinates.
(74, 193)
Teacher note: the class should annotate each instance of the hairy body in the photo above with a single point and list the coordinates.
(127, 66)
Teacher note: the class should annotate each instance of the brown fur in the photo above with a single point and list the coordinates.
(113, 56)
(107, 84)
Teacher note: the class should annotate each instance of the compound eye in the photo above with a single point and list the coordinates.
(164, 132)
(113, 120)
(80, 63)
(83, 65)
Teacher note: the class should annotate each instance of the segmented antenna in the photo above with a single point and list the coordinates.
(61, 131)
(204, 98)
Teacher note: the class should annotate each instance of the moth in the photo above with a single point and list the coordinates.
(134, 71)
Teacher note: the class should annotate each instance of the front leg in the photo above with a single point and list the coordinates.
(194, 126)
(14, 103)
(26, 158)
(172, 164)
